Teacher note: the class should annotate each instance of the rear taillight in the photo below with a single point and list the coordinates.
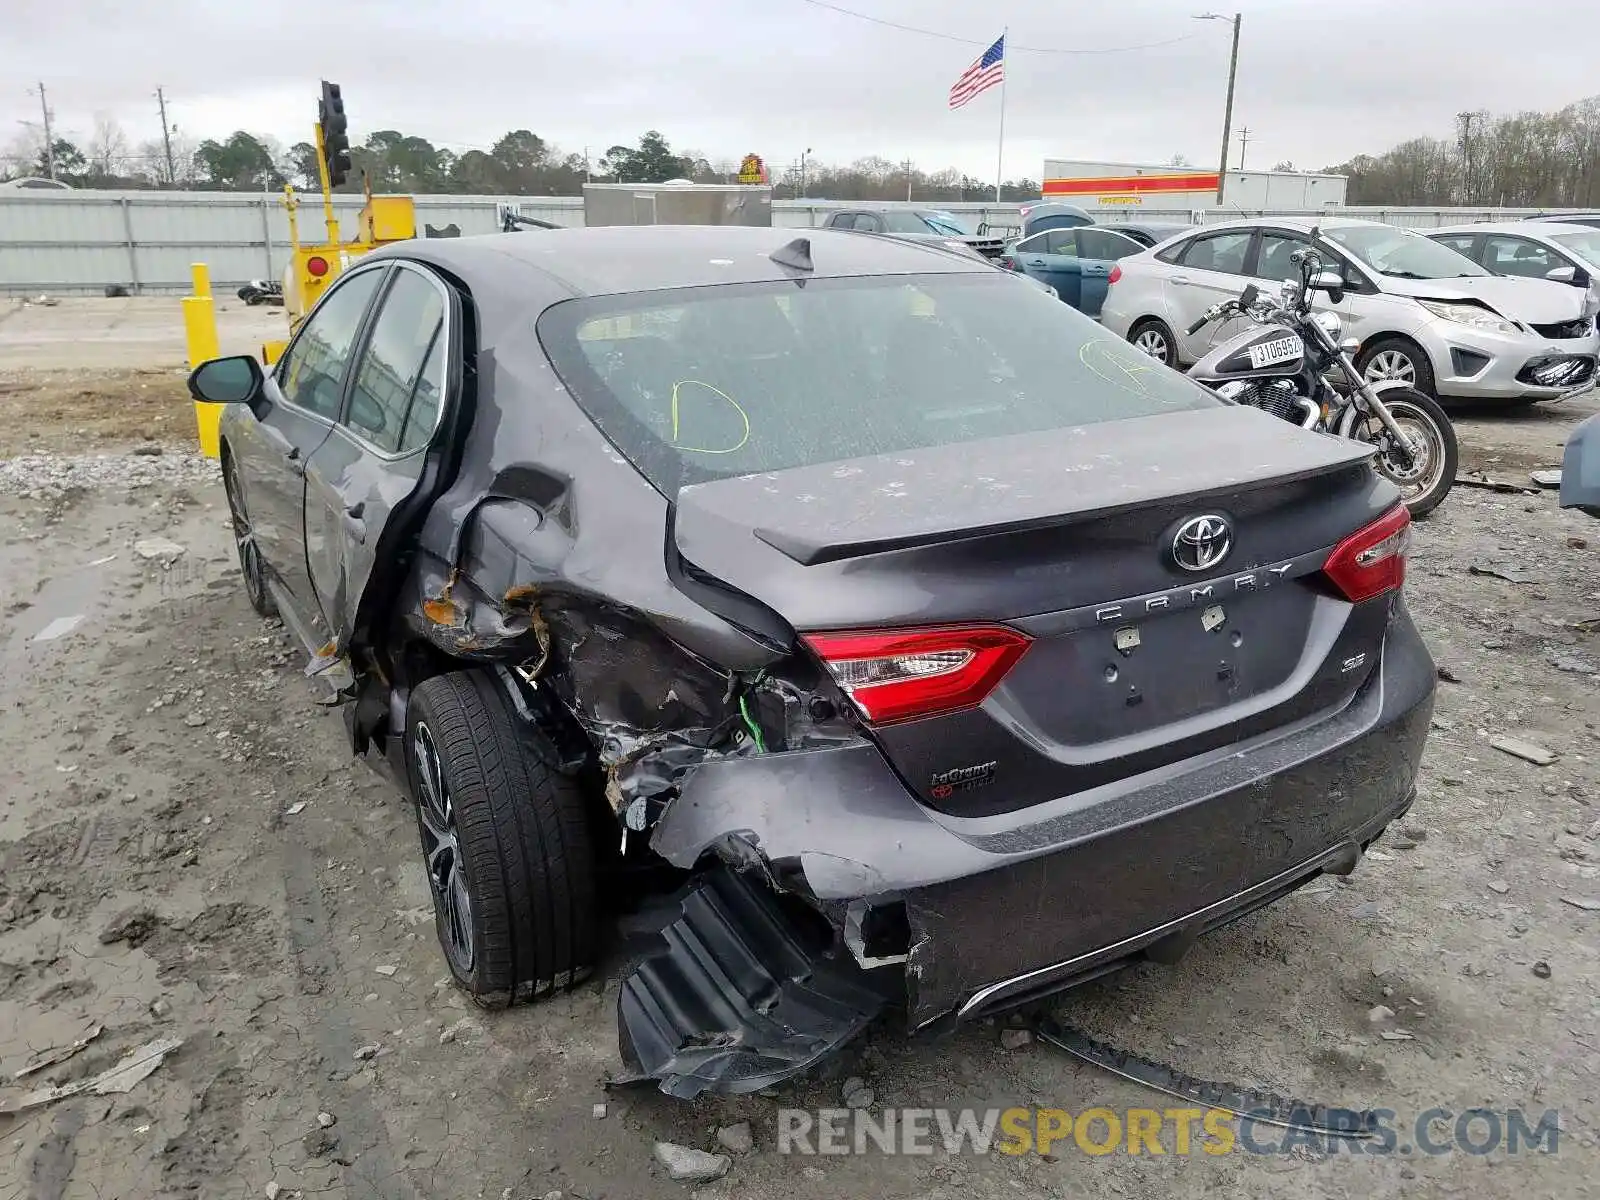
(898, 674)
(1116, 274)
(1372, 560)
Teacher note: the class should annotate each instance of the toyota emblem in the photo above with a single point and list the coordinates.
(1202, 542)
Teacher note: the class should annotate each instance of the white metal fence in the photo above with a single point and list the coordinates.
(84, 241)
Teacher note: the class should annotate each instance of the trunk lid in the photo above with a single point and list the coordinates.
(1068, 536)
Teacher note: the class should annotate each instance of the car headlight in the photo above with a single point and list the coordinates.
(1474, 316)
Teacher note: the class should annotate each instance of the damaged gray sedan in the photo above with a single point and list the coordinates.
(898, 639)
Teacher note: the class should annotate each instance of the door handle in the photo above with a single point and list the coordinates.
(1180, 280)
(1035, 262)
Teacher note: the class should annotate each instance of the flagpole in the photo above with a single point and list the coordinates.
(1000, 153)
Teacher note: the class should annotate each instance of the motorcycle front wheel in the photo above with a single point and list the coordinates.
(1427, 479)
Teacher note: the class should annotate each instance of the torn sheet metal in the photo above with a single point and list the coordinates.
(732, 999)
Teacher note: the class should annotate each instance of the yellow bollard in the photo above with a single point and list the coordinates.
(200, 331)
(202, 278)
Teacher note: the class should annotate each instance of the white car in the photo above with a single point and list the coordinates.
(1422, 313)
(1567, 254)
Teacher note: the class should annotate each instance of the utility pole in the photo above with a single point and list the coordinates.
(907, 165)
(1244, 143)
(1227, 111)
(166, 138)
(49, 134)
(804, 154)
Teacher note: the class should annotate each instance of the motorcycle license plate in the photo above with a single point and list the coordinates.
(1265, 354)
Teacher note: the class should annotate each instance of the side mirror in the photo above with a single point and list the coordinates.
(1331, 282)
(1580, 468)
(1567, 274)
(232, 380)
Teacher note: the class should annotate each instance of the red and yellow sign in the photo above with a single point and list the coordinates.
(1162, 181)
(752, 169)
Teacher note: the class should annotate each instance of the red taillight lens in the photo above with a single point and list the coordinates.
(1372, 561)
(897, 674)
(1116, 274)
(316, 267)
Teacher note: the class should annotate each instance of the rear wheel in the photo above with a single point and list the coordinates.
(1156, 340)
(505, 842)
(1428, 477)
(1396, 360)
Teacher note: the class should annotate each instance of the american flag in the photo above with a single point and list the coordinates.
(982, 75)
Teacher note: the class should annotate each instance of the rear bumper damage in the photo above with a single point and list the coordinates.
(948, 918)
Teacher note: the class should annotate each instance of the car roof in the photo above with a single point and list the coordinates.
(1530, 228)
(641, 258)
(1300, 224)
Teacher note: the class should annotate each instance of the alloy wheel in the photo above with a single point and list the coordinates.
(1154, 343)
(441, 849)
(1391, 364)
(244, 539)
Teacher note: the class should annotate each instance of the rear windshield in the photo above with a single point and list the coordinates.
(705, 383)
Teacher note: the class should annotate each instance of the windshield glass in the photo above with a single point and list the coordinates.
(1403, 254)
(943, 222)
(709, 382)
(1585, 245)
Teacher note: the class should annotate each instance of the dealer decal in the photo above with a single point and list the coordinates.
(961, 779)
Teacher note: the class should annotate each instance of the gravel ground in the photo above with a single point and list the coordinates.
(187, 850)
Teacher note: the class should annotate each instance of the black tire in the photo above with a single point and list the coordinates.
(251, 566)
(1423, 487)
(1150, 334)
(1387, 353)
(521, 855)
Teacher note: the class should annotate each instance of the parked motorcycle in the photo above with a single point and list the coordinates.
(261, 291)
(1281, 369)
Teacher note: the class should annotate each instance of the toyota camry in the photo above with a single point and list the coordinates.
(883, 634)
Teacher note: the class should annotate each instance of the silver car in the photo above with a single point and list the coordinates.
(1423, 314)
(1541, 249)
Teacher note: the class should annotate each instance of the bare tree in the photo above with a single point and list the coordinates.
(108, 148)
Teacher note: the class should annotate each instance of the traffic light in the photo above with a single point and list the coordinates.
(335, 133)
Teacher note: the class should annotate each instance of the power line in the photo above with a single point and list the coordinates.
(950, 37)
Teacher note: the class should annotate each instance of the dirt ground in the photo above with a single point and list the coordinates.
(187, 850)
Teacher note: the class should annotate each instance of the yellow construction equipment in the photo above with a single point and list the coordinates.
(384, 219)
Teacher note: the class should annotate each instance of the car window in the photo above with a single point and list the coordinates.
(1106, 245)
(1403, 253)
(311, 372)
(903, 222)
(1219, 251)
(704, 383)
(1272, 260)
(1585, 245)
(1061, 241)
(1039, 243)
(1519, 256)
(403, 336)
(1461, 243)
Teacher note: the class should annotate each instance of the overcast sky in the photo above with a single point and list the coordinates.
(1319, 80)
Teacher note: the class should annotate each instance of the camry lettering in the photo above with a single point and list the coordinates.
(1251, 581)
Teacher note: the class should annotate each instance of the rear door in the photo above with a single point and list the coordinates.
(1098, 252)
(303, 397)
(374, 459)
(1051, 257)
(1210, 268)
